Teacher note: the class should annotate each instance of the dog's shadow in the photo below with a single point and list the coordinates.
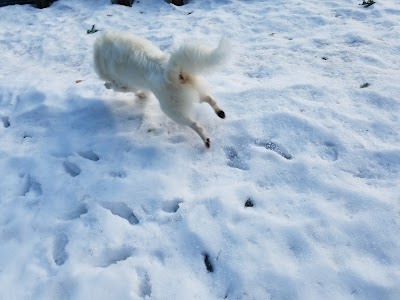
(78, 124)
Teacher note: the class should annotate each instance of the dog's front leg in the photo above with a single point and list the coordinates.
(206, 98)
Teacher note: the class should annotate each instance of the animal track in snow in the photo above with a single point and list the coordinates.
(235, 161)
(171, 206)
(26, 136)
(89, 154)
(298, 245)
(60, 256)
(6, 121)
(116, 255)
(31, 186)
(329, 152)
(259, 73)
(77, 212)
(145, 285)
(119, 174)
(122, 210)
(177, 139)
(72, 168)
(159, 255)
(274, 147)
(207, 262)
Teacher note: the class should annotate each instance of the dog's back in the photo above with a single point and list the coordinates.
(127, 60)
(128, 63)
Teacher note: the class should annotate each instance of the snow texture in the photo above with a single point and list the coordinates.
(103, 197)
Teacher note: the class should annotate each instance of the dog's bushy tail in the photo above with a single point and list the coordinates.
(195, 58)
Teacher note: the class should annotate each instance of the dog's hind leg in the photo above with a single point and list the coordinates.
(206, 98)
(197, 128)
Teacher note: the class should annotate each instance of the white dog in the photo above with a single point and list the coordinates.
(128, 63)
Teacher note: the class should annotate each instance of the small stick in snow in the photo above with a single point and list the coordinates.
(364, 85)
(93, 30)
(367, 3)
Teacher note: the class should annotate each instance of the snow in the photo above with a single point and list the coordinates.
(103, 197)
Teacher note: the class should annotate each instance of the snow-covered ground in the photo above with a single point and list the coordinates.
(103, 197)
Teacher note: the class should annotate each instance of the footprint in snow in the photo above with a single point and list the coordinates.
(77, 212)
(113, 256)
(274, 147)
(122, 210)
(72, 168)
(118, 174)
(89, 154)
(207, 262)
(235, 160)
(31, 186)
(60, 256)
(299, 246)
(259, 73)
(171, 206)
(6, 121)
(177, 139)
(145, 284)
(329, 152)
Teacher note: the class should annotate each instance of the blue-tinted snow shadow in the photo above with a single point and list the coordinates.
(69, 127)
(77, 125)
(71, 138)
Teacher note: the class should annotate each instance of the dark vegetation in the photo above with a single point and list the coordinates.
(367, 3)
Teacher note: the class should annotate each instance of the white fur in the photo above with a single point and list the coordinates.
(128, 63)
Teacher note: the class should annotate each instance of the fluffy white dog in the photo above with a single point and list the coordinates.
(128, 63)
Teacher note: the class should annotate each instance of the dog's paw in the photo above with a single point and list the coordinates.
(207, 143)
(221, 114)
(141, 95)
